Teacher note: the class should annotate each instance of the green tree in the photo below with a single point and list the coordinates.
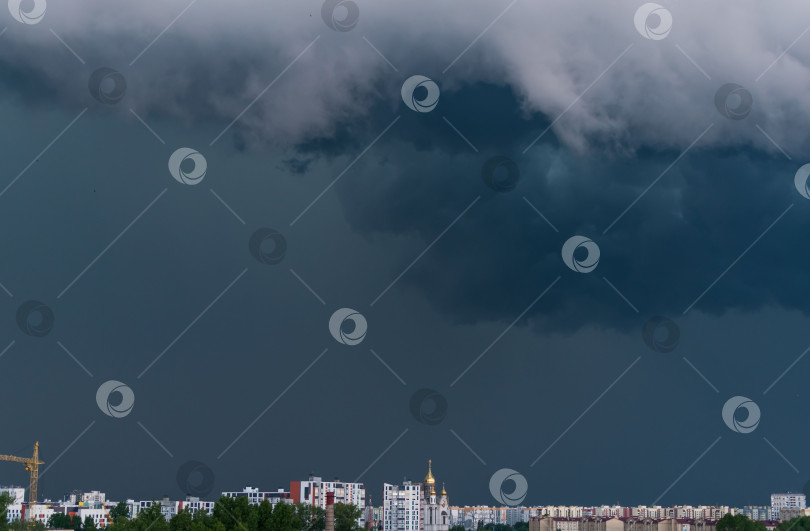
(119, 511)
(739, 522)
(89, 524)
(149, 518)
(63, 521)
(264, 516)
(457, 528)
(234, 513)
(796, 524)
(182, 521)
(284, 518)
(5, 501)
(202, 521)
(312, 518)
(26, 525)
(346, 516)
(521, 526)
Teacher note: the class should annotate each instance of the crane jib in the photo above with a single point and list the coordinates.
(31, 465)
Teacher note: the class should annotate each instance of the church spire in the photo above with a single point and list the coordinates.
(429, 478)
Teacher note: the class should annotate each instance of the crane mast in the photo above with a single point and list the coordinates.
(32, 466)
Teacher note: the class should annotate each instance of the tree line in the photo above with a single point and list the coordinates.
(481, 526)
(229, 514)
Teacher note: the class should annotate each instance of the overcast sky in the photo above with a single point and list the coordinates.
(667, 137)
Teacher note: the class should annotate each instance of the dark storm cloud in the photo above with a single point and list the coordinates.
(581, 175)
(669, 247)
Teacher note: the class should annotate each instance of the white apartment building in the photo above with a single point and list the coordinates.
(17, 494)
(604, 511)
(757, 512)
(169, 508)
(93, 497)
(788, 500)
(255, 496)
(469, 517)
(313, 492)
(515, 515)
(99, 516)
(642, 511)
(194, 503)
(401, 506)
(41, 512)
(561, 511)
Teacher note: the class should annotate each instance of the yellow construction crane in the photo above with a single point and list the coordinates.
(32, 465)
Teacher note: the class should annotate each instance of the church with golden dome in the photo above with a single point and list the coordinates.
(435, 509)
(416, 506)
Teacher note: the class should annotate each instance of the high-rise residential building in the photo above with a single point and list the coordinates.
(788, 500)
(401, 507)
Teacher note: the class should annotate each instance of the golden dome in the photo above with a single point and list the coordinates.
(444, 492)
(429, 478)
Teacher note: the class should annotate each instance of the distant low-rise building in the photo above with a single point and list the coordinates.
(757, 512)
(255, 496)
(789, 514)
(554, 523)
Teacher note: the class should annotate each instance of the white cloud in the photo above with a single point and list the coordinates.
(218, 56)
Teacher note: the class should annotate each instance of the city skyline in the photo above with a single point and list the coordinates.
(249, 240)
(194, 490)
(95, 505)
